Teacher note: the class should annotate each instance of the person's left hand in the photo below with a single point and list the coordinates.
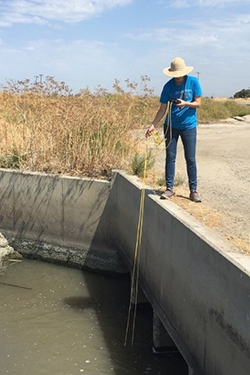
(181, 103)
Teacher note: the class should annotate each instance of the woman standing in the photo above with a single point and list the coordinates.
(184, 92)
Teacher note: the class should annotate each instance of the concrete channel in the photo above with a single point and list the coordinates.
(198, 286)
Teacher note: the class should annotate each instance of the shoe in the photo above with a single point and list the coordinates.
(194, 196)
(167, 194)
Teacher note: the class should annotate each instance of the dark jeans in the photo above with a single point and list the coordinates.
(188, 138)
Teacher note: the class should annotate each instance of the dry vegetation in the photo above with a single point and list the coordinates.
(48, 129)
(43, 127)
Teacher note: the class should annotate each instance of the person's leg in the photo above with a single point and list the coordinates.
(189, 143)
(171, 149)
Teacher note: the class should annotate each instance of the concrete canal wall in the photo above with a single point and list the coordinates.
(65, 220)
(198, 286)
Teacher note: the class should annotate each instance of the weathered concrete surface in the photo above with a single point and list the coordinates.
(65, 220)
(98, 260)
(161, 339)
(198, 285)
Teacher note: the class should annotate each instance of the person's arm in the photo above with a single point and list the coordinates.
(196, 103)
(161, 112)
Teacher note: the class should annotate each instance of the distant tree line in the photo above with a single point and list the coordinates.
(244, 93)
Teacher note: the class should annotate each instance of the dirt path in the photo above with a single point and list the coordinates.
(223, 159)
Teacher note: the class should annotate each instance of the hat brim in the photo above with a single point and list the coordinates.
(178, 73)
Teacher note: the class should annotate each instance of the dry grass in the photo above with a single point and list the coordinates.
(86, 134)
(45, 128)
(214, 109)
(210, 218)
(201, 212)
(243, 245)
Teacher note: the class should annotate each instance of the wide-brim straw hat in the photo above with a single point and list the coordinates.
(178, 68)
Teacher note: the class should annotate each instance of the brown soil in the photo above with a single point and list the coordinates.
(223, 160)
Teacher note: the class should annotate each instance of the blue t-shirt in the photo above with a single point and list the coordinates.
(185, 117)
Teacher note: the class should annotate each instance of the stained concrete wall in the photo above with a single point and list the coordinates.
(66, 220)
(198, 286)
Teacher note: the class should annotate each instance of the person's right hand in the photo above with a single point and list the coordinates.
(150, 131)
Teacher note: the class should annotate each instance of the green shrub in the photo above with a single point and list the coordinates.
(178, 181)
(138, 163)
(161, 181)
(236, 109)
(12, 160)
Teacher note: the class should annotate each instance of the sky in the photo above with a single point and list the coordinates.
(93, 43)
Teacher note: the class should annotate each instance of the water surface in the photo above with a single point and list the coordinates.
(70, 322)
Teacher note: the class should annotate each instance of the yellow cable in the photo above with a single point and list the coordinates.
(137, 253)
(136, 263)
(157, 140)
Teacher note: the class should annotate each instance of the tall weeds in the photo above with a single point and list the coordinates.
(48, 129)
(43, 127)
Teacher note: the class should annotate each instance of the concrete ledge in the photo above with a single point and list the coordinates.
(196, 283)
